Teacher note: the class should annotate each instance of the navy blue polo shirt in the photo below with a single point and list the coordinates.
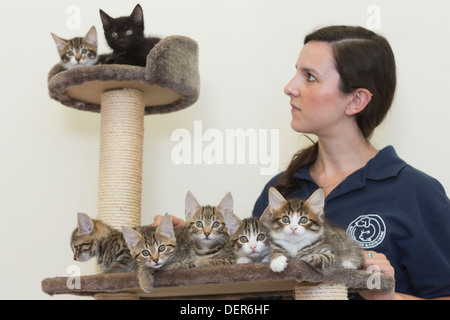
(392, 208)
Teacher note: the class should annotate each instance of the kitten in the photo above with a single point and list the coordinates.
(78, 52)
(299, 231)
(94, 238)
(207, 234)
(125, 35)
(249, 238)
(154, 248)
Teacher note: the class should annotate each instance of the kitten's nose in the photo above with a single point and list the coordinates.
(207, 234)
(293, 228)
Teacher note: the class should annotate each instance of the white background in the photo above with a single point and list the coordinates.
(248, 49)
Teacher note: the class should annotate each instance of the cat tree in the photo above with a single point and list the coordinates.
(124, 95)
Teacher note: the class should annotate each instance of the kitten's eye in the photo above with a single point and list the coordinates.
(70, 53)
(162, 248)
(84, 51)
(199, 224)
(145, 253)
(243, 239)
(261, 237)
(303, 220)
(216, 224)
(114, 34)
(129, 32)
(285, 219)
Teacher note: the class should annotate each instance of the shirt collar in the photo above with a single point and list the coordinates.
(384, 165)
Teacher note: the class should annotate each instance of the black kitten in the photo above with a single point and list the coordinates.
(125, 35)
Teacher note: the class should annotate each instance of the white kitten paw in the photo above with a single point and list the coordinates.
(243, 260)
(348, 265)
(278, 264)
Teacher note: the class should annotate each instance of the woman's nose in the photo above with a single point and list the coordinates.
(291, 89)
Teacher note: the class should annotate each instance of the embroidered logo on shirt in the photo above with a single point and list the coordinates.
(367, 231)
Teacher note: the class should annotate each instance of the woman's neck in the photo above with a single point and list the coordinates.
(336, 160)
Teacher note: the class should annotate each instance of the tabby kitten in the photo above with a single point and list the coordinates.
(299, 231)
(154, 248)
(206, 233)
(249, 238)
(94, 238)
(125, 35)
(78, 52)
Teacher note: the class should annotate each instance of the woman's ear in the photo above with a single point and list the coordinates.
(361, 98)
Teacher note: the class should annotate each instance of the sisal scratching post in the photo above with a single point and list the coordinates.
(320, 291)
(121, 149)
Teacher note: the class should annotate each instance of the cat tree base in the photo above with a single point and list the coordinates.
(298, 281)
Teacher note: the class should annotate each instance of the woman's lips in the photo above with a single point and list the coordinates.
(295, 109)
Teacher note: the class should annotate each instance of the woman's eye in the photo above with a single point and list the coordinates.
(311, 78)
(162, 248)
(199, 224)
(145, 253)
(303, 220)
(216, 224)
(285, 219)
(243, 239)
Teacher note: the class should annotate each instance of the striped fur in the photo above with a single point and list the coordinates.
(95, 239)
(205, 235)
(154, 248)
(299, 231)
(250, 241)
(78, 51)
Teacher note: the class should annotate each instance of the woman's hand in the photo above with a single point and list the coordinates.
(177, 222)
(379, 261)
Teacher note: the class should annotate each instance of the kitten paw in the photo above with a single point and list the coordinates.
(243, 260)
(348, 265)
(278, 264)
(146, 283)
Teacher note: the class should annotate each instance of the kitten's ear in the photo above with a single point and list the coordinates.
(317, 202)
(166, 227)
(276, 200)
(91, 37)
(131, 236)
(266, 217)
(60, 43)
(232, 221)
(226, 203)
(192, 205)
(85, 224)
(106, 20)
(137, 16)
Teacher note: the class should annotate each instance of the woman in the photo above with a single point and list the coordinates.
(343, 88)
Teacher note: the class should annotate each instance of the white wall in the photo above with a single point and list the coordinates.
(248, 49)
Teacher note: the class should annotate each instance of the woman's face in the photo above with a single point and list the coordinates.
(318, 106)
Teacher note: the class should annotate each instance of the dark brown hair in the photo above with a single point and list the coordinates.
(363, 59)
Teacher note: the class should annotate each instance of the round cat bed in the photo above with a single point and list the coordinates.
(123, 95)
(170, 81)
